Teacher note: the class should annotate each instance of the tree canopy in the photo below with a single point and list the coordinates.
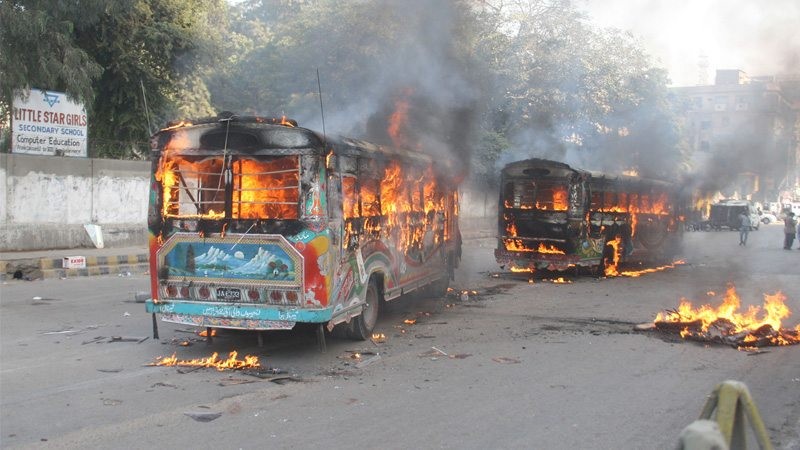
(110, 56)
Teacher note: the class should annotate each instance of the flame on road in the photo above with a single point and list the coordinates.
(638, 273)
(755, 327)
(212, 361)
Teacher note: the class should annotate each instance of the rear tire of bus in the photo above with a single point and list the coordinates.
(361, 326)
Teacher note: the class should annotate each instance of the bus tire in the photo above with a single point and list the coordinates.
(362, 325)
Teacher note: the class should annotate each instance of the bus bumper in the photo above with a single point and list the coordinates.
(236, 316)
(534, 260)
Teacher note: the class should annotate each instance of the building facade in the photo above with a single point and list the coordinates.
(744, 134)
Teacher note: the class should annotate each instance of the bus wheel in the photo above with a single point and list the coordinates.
(361, 327)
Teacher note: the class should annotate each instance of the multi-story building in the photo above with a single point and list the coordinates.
(745, 135)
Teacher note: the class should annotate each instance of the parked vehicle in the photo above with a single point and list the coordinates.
(725, 214)
(767, 218)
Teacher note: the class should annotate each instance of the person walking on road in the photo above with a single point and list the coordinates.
(789, 225)
(744, 228)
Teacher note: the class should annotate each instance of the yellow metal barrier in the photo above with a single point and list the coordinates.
(732, 402)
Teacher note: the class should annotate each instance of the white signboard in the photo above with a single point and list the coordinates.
(47, 123)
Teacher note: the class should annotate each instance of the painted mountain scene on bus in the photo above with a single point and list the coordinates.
(221, 260)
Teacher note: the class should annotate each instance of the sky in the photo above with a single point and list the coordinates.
(760, 37)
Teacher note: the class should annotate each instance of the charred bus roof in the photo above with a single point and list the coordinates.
(265, 135)
(539, 168)
(544, 168)
(246, 134)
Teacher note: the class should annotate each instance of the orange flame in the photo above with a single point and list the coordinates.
(398, 122)
(611, 269)
(261, 189)
(551, 249)
(751, 323)
(560, 280)
(638, 273)
(407, 203)
(212, 361)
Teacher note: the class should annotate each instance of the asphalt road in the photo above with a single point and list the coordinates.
(516, 365)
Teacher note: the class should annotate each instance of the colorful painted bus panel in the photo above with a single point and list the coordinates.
(258, 224)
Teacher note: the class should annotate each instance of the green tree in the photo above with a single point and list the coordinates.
(38, 49)
(150, 49)
(106, 53)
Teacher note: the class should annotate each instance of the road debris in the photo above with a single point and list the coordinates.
(235, 381)
(137, 339)
(364, 363)
(72, 331)
(203, 416)
(439, 351)
(505, 360)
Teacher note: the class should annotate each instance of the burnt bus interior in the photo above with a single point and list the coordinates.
(639, 211)
(546, 206)
(537, 208)
(397, 196)
(231, 175)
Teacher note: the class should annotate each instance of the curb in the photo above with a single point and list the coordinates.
(52, 268)
(125, 264)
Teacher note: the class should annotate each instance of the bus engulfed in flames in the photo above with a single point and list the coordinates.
(728, 324)
(555, 217)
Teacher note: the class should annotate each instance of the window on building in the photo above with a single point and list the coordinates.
(705, 146)
(720, 103)
(705, 125)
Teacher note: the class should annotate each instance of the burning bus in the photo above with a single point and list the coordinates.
(554, 217)
(258, 224)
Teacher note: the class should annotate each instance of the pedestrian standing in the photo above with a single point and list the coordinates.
(798, 235)
(789, 229)
(744, 228)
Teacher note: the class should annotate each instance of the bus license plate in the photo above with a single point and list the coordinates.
(229, 294)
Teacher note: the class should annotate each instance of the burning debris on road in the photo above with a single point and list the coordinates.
(214, 361)
(726, 324)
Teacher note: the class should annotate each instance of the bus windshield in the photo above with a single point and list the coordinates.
(257, 188)
(545, 195)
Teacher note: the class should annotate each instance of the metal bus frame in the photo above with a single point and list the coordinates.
(595, 209)
(216, 264)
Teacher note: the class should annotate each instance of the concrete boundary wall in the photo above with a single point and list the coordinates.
(48, 199)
